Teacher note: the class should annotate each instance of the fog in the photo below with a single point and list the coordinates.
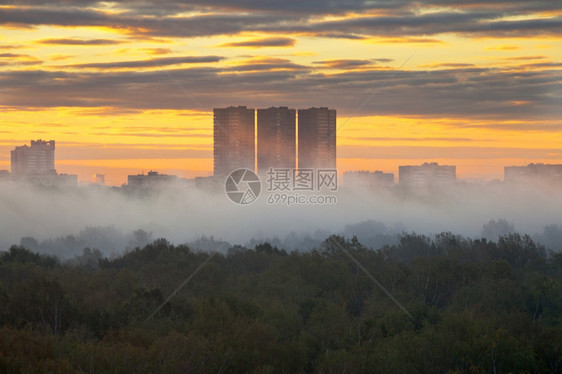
(64, 221)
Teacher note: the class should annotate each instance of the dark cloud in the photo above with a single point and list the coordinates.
(456, 152)
(133, 152)
(75, 41)
(517, 126)
(154, 62)
(263, 42)
(392, 19)
(18, 59)
(449, 65)
(164, 7)
(6, 46)
(524, 58)
(158, 51)
(280, 7)
(266, 64)
(478, 23)
(403, 139)
(471, 92)
(345, 64)
(333, 35)
(11, 55)
(149, 26)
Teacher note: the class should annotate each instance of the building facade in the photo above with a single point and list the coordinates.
(152, 179)
(37, 159)
(99, 179)
(362, 178)
(234, 139)
(276, 139)
(427, 174)
(546, 173)
(317, 138)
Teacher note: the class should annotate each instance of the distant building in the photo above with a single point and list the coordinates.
(52, 180)
(234, 139)
(66, 180)
(546, 173)
(276, 139)
(4, 174)
(317, 138)
(213, 183)
(428, 174)
(152, 179)
(37, 159)
(364, 178)
(99, 179)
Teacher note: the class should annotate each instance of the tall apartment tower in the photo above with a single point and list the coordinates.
(276, 139)
(317, 138)
(37, 159)
(234, 139)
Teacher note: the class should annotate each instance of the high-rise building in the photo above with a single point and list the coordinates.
(276, 139)
(37, 159)
(427, 174)
(317, 138)
(234, 139)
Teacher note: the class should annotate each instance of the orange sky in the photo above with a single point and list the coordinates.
(125, 88)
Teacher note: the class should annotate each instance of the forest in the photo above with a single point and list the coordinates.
(440, 304)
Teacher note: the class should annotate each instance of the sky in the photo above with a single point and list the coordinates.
(125, 87)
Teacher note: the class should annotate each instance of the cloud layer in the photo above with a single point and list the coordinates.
(359, 18)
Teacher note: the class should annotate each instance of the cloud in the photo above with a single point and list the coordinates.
(18, 59)
(158, 51)
(263, 42)
(524, 58)
(478, 23)
(6, 46)
(457, 152)
(12, 55)
(355, 19)
(504, 47)
(405, 139)
(155, 62)
(59, 57)
(448, 65)
(266, 64)
(524, 93)
(75, 41)
(345, 64)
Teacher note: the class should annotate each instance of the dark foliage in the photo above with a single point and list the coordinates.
(473, 306)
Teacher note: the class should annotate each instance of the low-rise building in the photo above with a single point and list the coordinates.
(545, 173)
(427, 174)
(152, 179)
(363, 178)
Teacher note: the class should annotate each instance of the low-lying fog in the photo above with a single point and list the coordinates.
(64, 221)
